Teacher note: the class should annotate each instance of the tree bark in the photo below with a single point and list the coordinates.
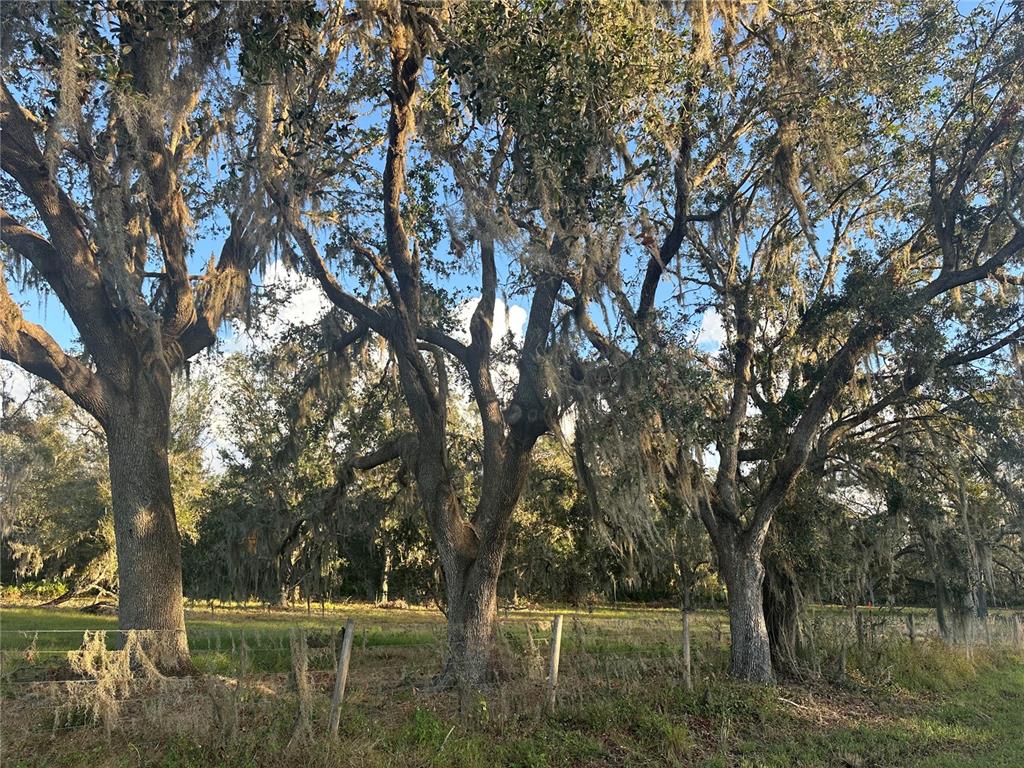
(981, 594)
(471, 582)
(750, 652)
(472, 613)
(145, 527)
(739, 562)
(134, 336)
(384, 596)
(471, 574)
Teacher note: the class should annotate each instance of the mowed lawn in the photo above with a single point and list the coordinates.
(622, 703)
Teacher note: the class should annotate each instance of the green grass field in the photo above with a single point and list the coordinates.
(622, 701)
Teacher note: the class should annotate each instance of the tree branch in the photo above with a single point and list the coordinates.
(32, 348)
(29, 245)
(68, 265)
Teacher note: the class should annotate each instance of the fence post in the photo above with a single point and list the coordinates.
(687, 670)
(556, 649)
(860, 629)
(910, 628)
(341, 677)
(302, 731)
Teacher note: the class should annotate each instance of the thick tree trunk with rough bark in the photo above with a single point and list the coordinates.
(739, 551)
(472, 614)
(145, 528)
(750, 652)
(135, 332)
(471, 583)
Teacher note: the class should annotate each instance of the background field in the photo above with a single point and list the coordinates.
(622, 700)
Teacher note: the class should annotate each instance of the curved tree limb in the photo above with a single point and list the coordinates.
(32, 348)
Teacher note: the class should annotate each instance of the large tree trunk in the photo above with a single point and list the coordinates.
(472, 614)
(471, 590)
(145, 528)
(750, 653)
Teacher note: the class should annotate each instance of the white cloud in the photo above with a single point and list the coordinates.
(506, 318)
(305, 304)
(509, 318)
(711, 458)
(712, 331)
(15, 382)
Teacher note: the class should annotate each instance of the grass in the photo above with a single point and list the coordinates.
(622, 701)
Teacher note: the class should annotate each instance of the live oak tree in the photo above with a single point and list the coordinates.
(275, 522)
(109, 114)
(523, 160)
(839, 185)
(813, 311)
(915, 505)
(855, 226)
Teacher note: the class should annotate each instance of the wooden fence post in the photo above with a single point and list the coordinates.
(842, 657)
(341, 677)
(302, 732)
(687, 670)
(556, 649)
(910, 628)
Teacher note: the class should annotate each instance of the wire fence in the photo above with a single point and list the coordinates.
(66, 680)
